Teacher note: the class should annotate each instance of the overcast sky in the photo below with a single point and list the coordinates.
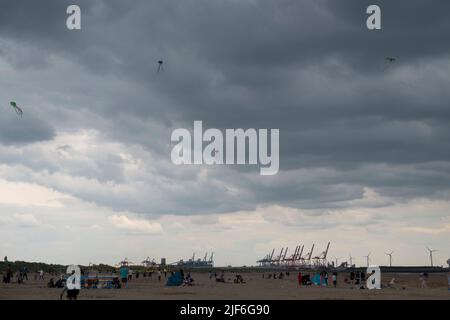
(86, 175)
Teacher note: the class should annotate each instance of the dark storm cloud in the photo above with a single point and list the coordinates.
(20, 131)
(310, 68)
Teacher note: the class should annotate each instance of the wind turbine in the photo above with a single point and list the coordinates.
(390, 258)
(431, 254)
(368, 258)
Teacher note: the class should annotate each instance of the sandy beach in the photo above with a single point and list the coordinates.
(407, 287)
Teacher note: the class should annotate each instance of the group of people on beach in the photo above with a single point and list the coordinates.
(276, 275)
(319, 279)
(238, 278)
(126, 274)
(21, 275)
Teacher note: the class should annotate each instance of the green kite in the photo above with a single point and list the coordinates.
(16, 108)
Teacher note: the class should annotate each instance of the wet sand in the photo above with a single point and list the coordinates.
(255, 288)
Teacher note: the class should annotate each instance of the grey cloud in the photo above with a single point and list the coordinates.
(310, 68)
(19, 131)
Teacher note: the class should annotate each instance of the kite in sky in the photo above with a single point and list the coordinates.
(390, 59)
(16, 108)
(160, 66)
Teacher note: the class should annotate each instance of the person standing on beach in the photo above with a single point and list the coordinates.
(19, 276)
(8, 276)
(423, 281)
(130, 274)
(182, 273)
(325, 278)
(24, 273)
(159, 275)
(448, 279)
(352, 278)
(72, 292)
(334, 277)
(21, 273)
(299, 279)
(124, 276)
